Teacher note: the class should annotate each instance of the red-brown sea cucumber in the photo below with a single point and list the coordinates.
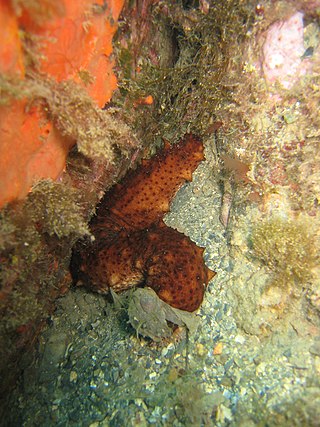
(133, 246)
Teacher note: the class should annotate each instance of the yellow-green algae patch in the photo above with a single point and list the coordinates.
(99, 134)
(289, 248)
(57, 207)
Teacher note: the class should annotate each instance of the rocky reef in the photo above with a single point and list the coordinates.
(244, 77)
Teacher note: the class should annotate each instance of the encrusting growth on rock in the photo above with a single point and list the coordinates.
(133, 246)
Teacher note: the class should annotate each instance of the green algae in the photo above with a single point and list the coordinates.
(99, 134)
(288, 248)
(57, 208)
(191, 80)
(36, 237)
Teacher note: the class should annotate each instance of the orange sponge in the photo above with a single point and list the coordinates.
(75, 43)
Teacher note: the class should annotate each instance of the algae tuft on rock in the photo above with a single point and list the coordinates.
(288, 248)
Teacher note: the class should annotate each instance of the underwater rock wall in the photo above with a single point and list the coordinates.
(59, 152)
(244, 76)
(274, 133)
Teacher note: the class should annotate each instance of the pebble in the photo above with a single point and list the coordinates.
(73, 376)
(218, 349)
(200, 348)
